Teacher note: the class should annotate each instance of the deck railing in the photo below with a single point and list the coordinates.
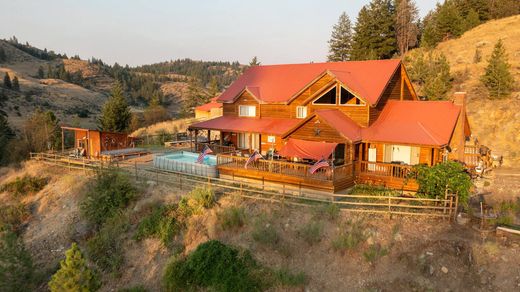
(286, 168)
(216, 148)
(471, 155)
(385, 169)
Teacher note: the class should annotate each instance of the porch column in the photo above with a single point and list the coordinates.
(260, 143)
(250, 142)
(195, 140)
(88, 143)
(221, 138)
(209, 136)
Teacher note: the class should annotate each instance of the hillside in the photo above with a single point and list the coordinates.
(494, 122)
(78, 98)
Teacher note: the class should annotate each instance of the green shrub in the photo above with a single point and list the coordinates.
(12, 215)
(74, 274)
(433, 180)
(196, 201)
(349, 237)
(232, 218)
(287, 278)
(161, 223)
(25, 185)
(110, 193)
(216, 267)
(105, 247)
(265, 233)
(16, 266)
(311, 232)
(361, 189)
(330, 211)
(374, 252)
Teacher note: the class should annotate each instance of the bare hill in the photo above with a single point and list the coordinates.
(495, 122)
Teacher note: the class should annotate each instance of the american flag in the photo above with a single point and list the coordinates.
(253, 157)
(203, 154)
(320, 164)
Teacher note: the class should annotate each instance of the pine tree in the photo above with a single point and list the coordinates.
(50, 73)
(431, 73)
(16, 266)
(41, 73)
(6, 134)
(471, 20)
(74, 274)
(7, 81)
(497, 77)
(406, 27)
(213, 87)
(254, 62)
(374, 33)
(16, 84)
(115, 116)
(340, 42)
(3, 56)
(445, 22)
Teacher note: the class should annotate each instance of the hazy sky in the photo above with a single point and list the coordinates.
(140, 32)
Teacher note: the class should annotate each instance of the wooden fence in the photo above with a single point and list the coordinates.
(279, 193)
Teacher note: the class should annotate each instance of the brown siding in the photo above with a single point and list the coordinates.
(393, 91)
(307, 132)
(316, 87)
(425, 155)
(244, 99)
(276, 111)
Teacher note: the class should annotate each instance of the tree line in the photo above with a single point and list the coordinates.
(387, 29)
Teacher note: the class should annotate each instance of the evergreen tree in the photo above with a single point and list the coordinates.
(42, 131)
(443, 23)
(115, 116)
(16, 83)
(254, 62)
(74, 274)
(406, 27)
(497, 77)
(3, 56)
(41, 73)
(503, 8)
(155, 112)
(374, 33)
(213, 87)
(16, 266)
(340, 42)
(471, 20)
(7, 81)
(50, 73)
(431, 73)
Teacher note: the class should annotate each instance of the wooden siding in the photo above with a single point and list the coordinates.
(393, 91)
(327, 133)
(231, 109)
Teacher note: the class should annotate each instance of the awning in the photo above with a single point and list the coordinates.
(307, 149)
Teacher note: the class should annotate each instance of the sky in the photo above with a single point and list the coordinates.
(137, 32)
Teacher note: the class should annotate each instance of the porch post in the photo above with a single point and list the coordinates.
(221, 138)
(250, 142)
(209, 136)
(195, 140)
(88, 143)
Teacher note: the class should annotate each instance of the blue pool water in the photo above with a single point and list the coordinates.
(186, 162)
(191, 157)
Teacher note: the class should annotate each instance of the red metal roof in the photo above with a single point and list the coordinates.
(275, 126)
(210, 105)
(414, 122)
(280, 83)
(342, 123)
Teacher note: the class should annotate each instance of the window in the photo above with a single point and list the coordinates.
(243, 140)
(347, 98)
(271, 139)
(301, 112)
(247, 110)
(328, 98)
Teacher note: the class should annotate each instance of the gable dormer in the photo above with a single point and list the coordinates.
(246, 104)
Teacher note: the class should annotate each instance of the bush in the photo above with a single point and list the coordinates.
(265, 233)
(16, 267)
(105, 247)
(74, 274)
(25, 185)
(311, 232)
(330, 211)
(161, 223)
(11, 216)
(374, 252)
(110, 193)
(349, 237)
(216, 267)
(232, 218)
(372, 190)
(196, 201)
(433, 180)
(287, 278)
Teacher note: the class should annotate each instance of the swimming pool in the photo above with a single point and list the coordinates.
(185, 162)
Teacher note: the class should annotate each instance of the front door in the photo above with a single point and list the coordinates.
(401, 153)
(372, 157)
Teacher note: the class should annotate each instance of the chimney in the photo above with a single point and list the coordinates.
(459, 99)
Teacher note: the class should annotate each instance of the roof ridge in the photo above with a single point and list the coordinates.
(321, 63)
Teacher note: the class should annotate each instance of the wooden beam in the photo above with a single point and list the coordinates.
(402, 81)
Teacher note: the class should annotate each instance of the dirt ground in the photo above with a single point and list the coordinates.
(423, 254)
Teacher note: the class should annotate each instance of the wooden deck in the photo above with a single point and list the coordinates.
(389, 175)
(338, 178)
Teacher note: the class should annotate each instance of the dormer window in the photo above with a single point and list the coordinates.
(349, 99)
(327, 98)
(247, 110)
(301, 112)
